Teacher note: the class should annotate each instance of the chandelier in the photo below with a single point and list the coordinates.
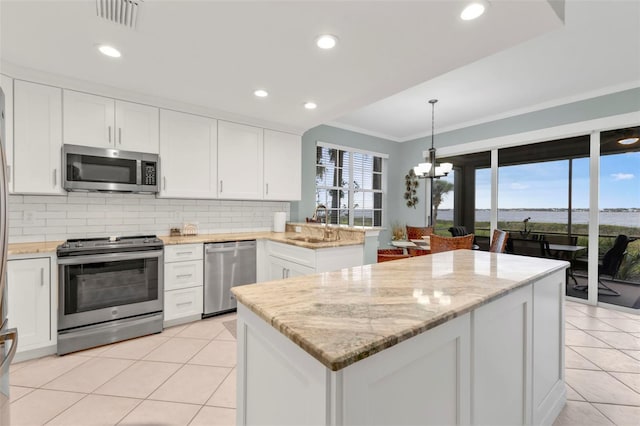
(430, 169)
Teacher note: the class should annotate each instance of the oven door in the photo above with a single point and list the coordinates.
(104, 287)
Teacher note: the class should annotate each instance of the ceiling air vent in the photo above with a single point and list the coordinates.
(121, 12)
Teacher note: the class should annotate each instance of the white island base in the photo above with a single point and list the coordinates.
(500, 364)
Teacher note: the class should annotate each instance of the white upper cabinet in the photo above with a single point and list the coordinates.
(188, 147)
(6, 83)
(240, 161)
(282, 166)
(137, 127)
(37, 138)
(92, 120)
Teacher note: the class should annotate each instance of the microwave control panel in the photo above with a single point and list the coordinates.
(149, 173)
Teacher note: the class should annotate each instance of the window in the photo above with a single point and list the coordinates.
(350, 184)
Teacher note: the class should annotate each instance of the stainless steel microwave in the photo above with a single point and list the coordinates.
(109, 170)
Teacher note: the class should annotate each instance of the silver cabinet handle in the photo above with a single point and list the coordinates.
(267, 189)
(41, 276)
(183, 252)
(288, 270)
(120, 135)
(184, 275)
(283, 269)
(8, 174)
(183, 303)
(109, 133)
(220, 186)
(55, 177)
(164, 183)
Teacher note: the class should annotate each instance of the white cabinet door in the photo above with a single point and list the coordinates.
(183, 303)
(240, 161)
(37, 138)
(280, 269)
(88, 120)
(29, 298)
(6, 83)
(282, 166)
(137, 127)
(188, 146)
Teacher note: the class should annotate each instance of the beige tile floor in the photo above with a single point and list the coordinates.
(186, 376)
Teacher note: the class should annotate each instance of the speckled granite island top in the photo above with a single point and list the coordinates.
(344, 316)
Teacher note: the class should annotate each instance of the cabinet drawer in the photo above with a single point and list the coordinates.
(182, 303)
(181, 252)
(183, 274)
(295, 254)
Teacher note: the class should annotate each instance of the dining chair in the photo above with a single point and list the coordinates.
(417, 251)
(440, 244)
(384, 255)
(499, 241)
(417, 232)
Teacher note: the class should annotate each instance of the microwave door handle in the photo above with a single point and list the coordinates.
(108, 257)
(138, 172)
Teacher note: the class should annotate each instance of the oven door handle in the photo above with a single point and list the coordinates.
(109, 257)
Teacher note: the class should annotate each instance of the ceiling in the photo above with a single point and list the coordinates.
(214, 54)
(596, 52)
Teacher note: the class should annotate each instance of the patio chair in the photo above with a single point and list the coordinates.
(458, 231)
(609, 265)
(534, 248)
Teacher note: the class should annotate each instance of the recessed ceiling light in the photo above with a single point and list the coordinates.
(109, 51)
(310, 105)
(326, 41)
(472, 11)
(261, 93)
(628, 141)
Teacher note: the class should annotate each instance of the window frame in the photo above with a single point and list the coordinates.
(350, 190)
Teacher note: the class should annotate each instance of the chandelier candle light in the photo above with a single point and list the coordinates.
(430, 170)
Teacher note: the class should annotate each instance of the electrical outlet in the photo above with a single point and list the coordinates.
(29, 217)
(298, 228)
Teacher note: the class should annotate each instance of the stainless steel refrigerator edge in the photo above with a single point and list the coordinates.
(226, 265)
(6, 335)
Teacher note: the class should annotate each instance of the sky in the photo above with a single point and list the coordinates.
(545, 185)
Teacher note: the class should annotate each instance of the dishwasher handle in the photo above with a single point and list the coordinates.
(222, 247)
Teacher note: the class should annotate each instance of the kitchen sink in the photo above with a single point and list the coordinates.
(310, 239)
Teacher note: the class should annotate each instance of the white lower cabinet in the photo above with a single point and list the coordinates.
(182, 305)
(286, 260)
(30, 298)
(183, 283)
(281, 269)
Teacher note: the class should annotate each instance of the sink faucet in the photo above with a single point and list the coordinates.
(327, 231)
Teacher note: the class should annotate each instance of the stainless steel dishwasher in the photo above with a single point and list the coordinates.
(227, 265)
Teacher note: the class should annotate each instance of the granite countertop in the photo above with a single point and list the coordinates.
(33, 248)
(346, 237)
(344, 316)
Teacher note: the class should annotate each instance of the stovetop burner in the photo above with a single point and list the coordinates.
(77, 246)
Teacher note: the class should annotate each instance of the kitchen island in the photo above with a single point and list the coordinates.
(461, 337)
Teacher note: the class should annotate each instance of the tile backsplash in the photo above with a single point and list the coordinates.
(82, 215)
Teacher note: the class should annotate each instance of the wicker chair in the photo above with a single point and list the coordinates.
(385, 255)
(416, 233)
(440, 244)
(417, 251)
(499, 241)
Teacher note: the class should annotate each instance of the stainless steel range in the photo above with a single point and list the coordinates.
(110, 289)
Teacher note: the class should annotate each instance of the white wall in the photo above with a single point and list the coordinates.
(81, 215)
